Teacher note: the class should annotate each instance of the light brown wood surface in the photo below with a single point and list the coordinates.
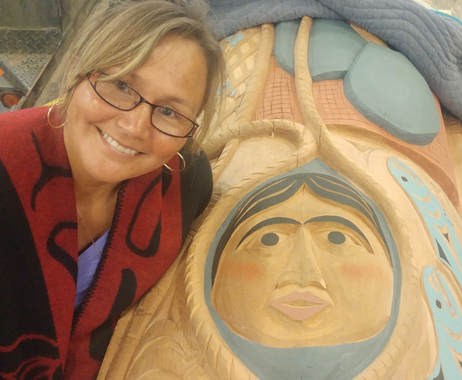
(273, 122)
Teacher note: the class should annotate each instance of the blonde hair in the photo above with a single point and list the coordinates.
(125, 35)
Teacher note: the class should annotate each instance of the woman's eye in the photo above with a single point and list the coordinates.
(166, 111)
(122, 86)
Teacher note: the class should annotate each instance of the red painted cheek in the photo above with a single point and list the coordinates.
(239, 270)
(372, 272)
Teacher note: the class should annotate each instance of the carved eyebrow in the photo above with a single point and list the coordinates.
(322, 218)
(336, 219)
(268, 222)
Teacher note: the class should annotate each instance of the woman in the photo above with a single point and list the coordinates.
(95, 197)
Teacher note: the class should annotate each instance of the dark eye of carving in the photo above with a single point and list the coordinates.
(336, 237)
(269, 239)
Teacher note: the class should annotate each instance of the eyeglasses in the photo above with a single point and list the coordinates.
(121, 96)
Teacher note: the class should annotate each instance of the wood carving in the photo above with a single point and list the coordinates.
(332, 248)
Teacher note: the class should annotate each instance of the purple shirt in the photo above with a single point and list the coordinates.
(87, 264)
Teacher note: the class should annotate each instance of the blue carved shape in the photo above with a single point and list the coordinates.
(447, 314)
(284, 44)
(379, 82)
(235, 39)
(445, 240)
(333, 47)
(447, 317)
(386, 88)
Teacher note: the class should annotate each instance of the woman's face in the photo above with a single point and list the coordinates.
(106, 145)
(306, 272)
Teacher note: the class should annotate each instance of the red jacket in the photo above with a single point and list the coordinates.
(40, 334)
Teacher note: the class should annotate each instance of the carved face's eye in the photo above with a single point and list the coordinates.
(269, 239)
(340, 239)
(336, 237)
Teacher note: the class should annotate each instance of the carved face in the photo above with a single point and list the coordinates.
(304, 272)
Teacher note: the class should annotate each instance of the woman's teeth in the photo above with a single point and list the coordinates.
(118, 147)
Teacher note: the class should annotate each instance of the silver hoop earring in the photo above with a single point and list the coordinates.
(50, 110)
(183, 163)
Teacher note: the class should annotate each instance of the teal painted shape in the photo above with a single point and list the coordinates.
(333, 46)
(447, 317)
(284, 44)
(437, 221)
(384, 86)
(447, 314)
(235, 39)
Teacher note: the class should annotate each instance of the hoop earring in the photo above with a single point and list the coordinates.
(50, 110)
(183, 163)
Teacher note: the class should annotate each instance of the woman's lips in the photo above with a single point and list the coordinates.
(302, 303)
(116, 145)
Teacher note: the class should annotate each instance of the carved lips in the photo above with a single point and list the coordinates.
(301, 303)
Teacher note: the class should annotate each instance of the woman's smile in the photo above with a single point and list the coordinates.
(116, 145)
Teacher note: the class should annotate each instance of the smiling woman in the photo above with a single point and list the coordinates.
(98, 192)
(108, 142)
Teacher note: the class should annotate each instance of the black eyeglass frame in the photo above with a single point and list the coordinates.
(140, 101)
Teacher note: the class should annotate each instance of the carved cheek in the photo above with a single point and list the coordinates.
(238, 271)
(373, 275)
(362, 271)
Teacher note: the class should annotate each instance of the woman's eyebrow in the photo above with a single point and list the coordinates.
(134, 80)
(132, 76)
(268, 222)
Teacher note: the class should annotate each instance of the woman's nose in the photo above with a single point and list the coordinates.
(137, 121)
(302, 267)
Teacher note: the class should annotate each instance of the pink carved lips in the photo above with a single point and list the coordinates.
(301, 303)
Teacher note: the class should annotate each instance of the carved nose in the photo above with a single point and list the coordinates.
(302, 267)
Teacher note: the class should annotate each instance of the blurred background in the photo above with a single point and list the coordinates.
(35, 34)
